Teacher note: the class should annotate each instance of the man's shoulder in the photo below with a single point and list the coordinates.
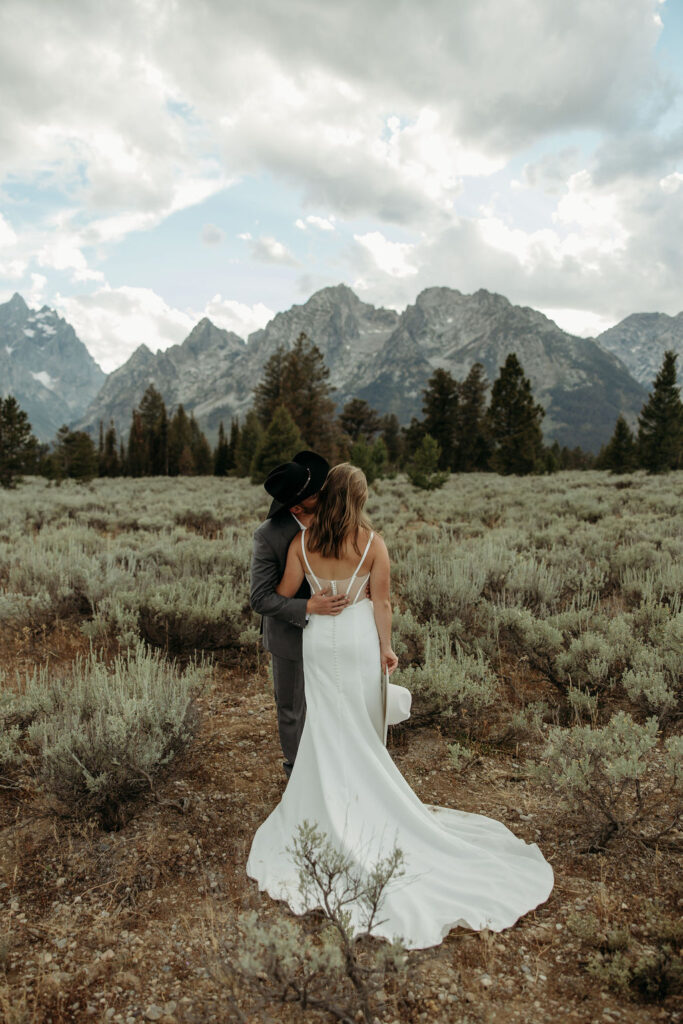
(277, 528)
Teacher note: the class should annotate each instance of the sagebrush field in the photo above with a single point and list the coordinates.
(539, 625)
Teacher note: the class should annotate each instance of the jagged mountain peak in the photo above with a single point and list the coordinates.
(45, 366)
(640, 341)
(17, 302)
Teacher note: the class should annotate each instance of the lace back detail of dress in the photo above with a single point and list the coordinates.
(353, 586)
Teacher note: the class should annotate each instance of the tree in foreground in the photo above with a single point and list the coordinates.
(224, 455)
(440, 408)
(660, 424)
(250, 441)
(514, 422)
(371, 458)
(109, 463)
(423, 469)
(17, 444)
(299, 380)
(280, 442)
(620, 455)
(73, 456)
(359, 420)
(393, 440)
(472, 445)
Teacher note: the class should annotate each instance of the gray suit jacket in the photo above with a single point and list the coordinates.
(283, 617)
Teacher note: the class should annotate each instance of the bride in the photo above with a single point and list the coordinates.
(460, 868)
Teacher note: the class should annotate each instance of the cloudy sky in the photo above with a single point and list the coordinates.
(162, 160)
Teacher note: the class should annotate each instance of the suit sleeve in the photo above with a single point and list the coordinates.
(265, 576)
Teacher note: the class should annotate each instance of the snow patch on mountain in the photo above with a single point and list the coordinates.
(45, 379)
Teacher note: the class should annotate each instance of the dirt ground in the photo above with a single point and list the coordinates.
(120, 926)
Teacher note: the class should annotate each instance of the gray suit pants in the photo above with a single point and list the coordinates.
(288, 680)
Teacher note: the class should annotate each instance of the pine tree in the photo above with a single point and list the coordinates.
(280, 442)
(154, 418)
(250, 440)
(179, 439)
(221, 455)
(371, 458)
(620, 455)
(100, 451)
(233, 443)
(411, 438)
(298, 379)
(74, 455)
(358, 419)
(201, 449)
(660, 424)
(440, 408)
(423, 469)
(393, 441)
(472, 445)
(18, 446)
(514, 422)
(269, 393)
(137, 463)
(110, 465)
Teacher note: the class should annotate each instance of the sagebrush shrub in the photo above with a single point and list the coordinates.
(106, 731)
(609, 777)
(332, 971)
(459, 686)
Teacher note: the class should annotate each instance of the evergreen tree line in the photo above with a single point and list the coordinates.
(293, 408)
(658, 444)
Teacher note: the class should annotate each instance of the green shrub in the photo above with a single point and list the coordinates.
(105, 732)
(332, 971)
(608, 777)
(461, 686)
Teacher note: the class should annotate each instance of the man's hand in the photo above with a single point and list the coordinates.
(326, 603)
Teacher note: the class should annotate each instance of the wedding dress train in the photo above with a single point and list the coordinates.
(460, 868)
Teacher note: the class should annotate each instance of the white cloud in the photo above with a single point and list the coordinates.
(113, 322)
(389, 257)
(322, 223)
(581, 322)
(133, 114)
(7, 234)
(234, 316)
(671, 183)
(212, 235)
(267, 249)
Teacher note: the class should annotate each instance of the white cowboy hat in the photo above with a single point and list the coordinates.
(396, 701)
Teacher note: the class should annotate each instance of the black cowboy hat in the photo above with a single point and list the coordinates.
(293, 482)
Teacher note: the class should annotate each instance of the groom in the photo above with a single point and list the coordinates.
(294, 488)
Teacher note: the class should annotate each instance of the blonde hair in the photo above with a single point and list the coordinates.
(339, 512)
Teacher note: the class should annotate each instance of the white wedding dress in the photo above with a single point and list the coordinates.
(460, 868)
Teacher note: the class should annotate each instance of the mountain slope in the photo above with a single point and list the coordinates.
(582, 388)
(641, 340)
(387, 359)
(45, 366)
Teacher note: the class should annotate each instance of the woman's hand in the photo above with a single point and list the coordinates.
(388, 660)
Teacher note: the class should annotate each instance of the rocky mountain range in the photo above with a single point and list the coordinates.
(386, 358)
(45, 366)
(641, 340)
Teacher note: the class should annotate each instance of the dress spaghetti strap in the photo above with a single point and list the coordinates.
(308, 564)
(353, 578)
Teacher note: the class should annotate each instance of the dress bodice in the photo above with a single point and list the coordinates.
(353, 586)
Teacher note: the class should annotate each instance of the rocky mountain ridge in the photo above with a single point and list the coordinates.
(384, 357)
(45, 366)
(641, 340)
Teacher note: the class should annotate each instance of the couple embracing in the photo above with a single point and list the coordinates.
(321, 581)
